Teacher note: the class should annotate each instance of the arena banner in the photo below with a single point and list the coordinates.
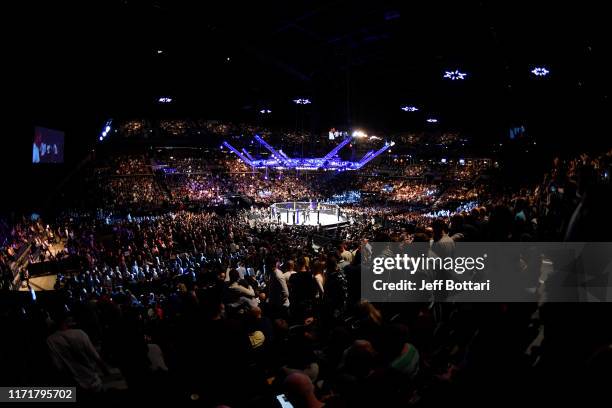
(449, 271)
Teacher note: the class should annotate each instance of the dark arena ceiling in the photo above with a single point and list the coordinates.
(77, 64)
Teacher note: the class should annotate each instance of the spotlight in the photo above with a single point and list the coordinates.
(454, 75)
(164, 99)
(431, 120)
(359, 133)
(302, 101)
(409, 108)
(265, 111)
(540, 71)
(106, 129)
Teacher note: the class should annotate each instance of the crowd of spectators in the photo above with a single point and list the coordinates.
(137, 191)
(231, 308)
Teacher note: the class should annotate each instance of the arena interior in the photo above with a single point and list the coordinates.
(204, 180)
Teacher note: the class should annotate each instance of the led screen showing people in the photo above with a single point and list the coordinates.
(47, 146)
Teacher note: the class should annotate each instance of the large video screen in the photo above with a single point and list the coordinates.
(48, 146)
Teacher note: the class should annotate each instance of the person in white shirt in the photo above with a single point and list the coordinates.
(241, 270)
(279, 289)
(244, 294)
(366, 248)
(73, 355)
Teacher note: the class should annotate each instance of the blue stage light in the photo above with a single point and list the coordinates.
(409, 108)
(540, 71)
(454, 75)
(106, 129)
(280, 160)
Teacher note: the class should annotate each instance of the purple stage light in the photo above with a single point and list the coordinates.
(409, 108)
(302, 101)
(431, 120)
(280, 160)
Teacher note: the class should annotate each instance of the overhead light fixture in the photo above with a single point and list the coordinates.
(302, 101)
(431, 120)
(265, 111)
(455, 75)
(540, 71)
(164, 99)
(409, 108)
(106, 130)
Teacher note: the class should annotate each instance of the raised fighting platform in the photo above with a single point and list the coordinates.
(307, 213)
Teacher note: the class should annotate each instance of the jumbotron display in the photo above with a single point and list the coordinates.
(47, 146)
(280, 160)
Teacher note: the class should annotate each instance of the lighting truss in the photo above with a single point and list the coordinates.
(280, 160)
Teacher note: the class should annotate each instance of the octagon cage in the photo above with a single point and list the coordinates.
(307, 213)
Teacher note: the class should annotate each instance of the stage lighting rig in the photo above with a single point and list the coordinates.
(105, 130)
(540, 71)
(455, 75)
